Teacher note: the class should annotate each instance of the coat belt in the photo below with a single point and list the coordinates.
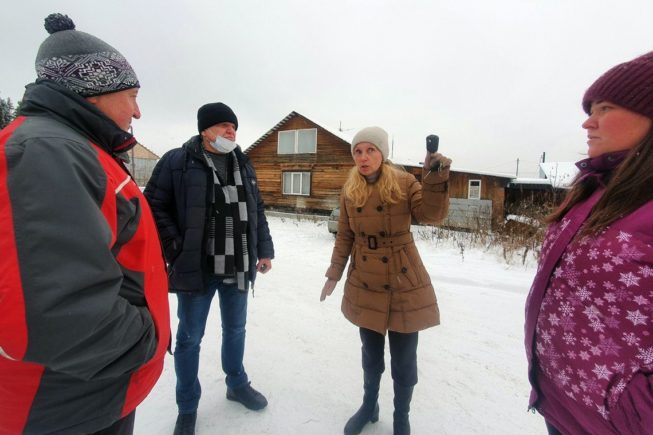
(377, 241)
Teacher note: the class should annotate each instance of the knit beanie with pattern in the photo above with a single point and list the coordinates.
(629, 85)
(374, 135)
(81, 62)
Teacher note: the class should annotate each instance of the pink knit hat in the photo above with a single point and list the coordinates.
(629, 85)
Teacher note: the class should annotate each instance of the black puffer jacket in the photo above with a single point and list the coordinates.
(178, 195)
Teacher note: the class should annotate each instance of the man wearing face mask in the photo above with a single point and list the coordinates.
(212, 225)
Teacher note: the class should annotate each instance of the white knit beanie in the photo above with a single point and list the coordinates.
(374, 135)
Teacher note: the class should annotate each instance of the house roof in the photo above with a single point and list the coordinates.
(339, 134)
(560, 174)
(140, 151)
(415, 164)
(490, 174)
(527, 180)
(532, 183)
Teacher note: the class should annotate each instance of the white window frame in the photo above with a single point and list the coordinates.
(471, 188)
(289, 190)
(296, 148)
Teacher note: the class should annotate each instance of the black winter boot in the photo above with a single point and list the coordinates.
(369, 410)
(248, 397)
(403, 396)
(185, 424)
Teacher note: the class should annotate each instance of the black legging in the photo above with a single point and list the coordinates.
(551, 429)
(403, 355)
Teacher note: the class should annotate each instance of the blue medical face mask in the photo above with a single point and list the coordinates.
(223, 145)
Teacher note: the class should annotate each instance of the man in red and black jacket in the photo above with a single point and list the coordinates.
(84, 318)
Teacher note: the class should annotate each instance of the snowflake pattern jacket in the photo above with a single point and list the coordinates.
(589, 321)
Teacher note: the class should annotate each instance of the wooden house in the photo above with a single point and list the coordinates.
(476, 199)
(301, 167)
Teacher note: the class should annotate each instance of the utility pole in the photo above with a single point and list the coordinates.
(543, 156)
(517, 172)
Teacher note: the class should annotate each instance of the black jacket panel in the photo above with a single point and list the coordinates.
(178, 192)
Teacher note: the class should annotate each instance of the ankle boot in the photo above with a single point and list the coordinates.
(403, 396)
(185, 424)
(248, 397)
(369, 410)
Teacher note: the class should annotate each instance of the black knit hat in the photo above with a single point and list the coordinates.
(81, 62)
(215, 113)
(629, 85)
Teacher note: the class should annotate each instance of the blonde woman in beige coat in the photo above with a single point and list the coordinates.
(387, 287)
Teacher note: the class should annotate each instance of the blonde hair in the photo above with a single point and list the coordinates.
(358, 190)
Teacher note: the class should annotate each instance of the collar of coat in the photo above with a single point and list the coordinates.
(47, 98)
(601, 165)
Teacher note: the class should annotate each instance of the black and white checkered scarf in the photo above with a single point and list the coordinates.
(227, 238)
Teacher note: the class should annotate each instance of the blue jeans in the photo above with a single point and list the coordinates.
(192, 311)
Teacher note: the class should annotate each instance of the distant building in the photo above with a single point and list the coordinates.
(549, 189)
(476, 198)
(559, 174)
(141, 163)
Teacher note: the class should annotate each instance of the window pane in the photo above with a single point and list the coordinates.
(474, 189)
(287, 142)
(287, 183)
(306, 183)
(296, 183)
(307, 140)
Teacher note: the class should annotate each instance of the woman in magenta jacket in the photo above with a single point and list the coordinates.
(589, 314)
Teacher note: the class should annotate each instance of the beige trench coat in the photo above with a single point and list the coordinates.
(387, 286)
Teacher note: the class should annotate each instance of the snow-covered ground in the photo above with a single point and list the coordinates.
(305, 357)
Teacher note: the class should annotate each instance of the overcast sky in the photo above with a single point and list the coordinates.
(497, 80)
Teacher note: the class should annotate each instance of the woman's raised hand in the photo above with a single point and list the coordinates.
(435, 161)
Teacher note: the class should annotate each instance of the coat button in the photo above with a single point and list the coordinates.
(365, 284)
(382, 234)
(359, 209)
(404, 269)
(384, 259)
(387, 287)
(379, 208)
(364, 257)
